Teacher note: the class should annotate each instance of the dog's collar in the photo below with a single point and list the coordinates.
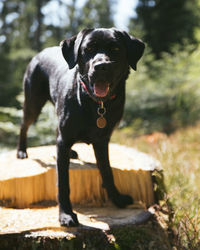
(101, 110)
(84, 87)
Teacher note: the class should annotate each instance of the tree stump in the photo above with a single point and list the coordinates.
(28, 192)
(23, 182)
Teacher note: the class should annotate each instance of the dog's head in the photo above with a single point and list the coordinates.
(103, 57)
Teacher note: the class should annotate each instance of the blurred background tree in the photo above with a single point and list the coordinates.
(96, 14)
(165, 24)
(20, 37)
(165, 95)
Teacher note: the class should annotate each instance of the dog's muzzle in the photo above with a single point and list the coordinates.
(101, 77)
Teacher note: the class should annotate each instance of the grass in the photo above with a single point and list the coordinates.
(180, 159)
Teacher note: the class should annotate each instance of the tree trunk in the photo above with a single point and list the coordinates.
(39, 25)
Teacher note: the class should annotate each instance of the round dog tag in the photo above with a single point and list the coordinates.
(101, 122)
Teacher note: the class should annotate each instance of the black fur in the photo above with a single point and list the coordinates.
(100, 59)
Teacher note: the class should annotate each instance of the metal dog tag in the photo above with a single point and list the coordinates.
(101, 122)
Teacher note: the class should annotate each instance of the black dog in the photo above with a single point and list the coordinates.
(89, 94)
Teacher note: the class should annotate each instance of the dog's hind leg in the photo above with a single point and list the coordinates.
(36, 94)
(31, 113)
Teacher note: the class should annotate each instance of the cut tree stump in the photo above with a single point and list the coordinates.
(27, 181)
(28, 195)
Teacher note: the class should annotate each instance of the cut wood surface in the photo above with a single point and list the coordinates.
(100, 228)
(23, 182)
(42, 219)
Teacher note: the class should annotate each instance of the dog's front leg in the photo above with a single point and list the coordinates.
(66, 215)
(101, 153)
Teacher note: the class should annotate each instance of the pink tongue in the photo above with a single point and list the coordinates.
(101, 90)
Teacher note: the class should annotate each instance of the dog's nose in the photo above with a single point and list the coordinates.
(105, 66)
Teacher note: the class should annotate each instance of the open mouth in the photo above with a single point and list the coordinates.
(101, 89)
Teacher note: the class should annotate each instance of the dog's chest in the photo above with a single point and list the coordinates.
(90, 131)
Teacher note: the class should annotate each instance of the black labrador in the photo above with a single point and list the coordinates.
(89, 95)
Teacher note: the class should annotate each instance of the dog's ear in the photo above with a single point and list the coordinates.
(68, 51)
(135, 49)
(70, 47)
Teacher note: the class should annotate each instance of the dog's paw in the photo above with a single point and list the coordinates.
(73, 154)
(123, 200)
(22, 154)
(68, 220)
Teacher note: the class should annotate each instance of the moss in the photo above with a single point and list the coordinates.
(20, 242)
(159, 186)
(147, 236)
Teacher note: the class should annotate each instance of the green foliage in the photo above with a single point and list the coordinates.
(97, 14)
(12, 67)
(43, 132)
(164, 94)
(147, 236)
(16, 47)
(167, 23)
